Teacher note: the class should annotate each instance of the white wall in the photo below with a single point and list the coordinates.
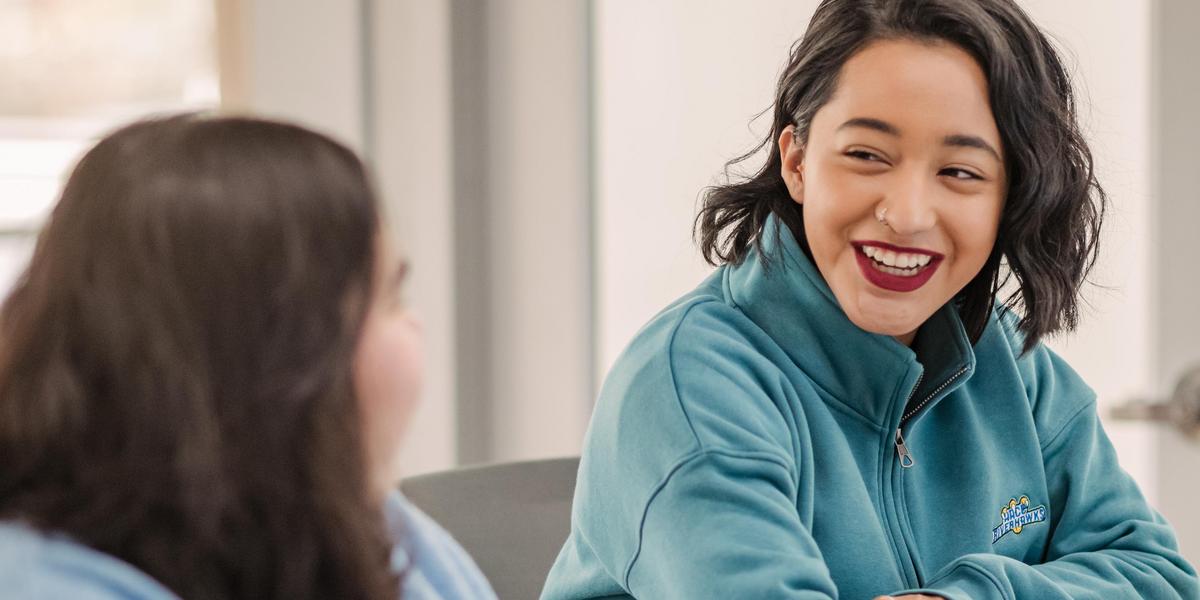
(539, 246)
(677, 81)
(15, 251)
(1176, 33)
(296, 59)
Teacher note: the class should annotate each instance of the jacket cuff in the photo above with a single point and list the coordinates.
(961, 581)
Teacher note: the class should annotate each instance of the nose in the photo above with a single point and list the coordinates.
(910, 206)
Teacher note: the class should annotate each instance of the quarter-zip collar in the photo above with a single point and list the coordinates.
(867, 372)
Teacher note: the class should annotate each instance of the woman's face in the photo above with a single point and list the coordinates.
(901, 181)
(388, 371)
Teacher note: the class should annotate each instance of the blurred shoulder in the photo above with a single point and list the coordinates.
(36, 565)
(431, 561)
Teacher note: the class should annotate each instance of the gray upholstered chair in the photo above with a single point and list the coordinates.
(511, 518)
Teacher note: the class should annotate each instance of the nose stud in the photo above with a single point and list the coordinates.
(881, 216)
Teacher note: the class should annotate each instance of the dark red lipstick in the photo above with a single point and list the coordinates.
(870, 268)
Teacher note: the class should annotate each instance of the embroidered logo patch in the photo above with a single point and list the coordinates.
(1016, 515)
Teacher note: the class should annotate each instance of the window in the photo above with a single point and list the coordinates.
(74, 69)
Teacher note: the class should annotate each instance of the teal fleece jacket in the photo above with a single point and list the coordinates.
(752, 442)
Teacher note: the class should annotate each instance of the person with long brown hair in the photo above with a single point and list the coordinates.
(204, 376)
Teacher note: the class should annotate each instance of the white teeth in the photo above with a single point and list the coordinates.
(900, 272)
(897, 261)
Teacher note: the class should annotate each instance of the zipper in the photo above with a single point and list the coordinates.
(906, 457)
(907, 461)
(939, 389)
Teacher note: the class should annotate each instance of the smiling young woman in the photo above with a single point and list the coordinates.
(844, 409)
(902, 182)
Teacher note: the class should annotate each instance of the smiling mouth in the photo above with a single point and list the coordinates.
(895, 268)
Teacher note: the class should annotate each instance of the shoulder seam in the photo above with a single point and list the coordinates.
(671, 371)
(727, 291)
(1066, 424)
(682, 462)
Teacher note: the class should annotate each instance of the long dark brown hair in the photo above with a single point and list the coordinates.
(1055, 206)
(175, 364)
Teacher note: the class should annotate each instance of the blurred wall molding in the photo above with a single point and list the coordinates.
(1175, 31)
(295, 59)
(522, 155)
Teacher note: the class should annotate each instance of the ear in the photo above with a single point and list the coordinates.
(791, 153)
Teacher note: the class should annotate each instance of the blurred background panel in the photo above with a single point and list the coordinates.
(682, 87)
(69, 71)
(541, 162)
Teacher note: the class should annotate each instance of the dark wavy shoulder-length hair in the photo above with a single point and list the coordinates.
(1052, 215)
(175, 363)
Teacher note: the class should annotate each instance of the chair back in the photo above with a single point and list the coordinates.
(512, 518)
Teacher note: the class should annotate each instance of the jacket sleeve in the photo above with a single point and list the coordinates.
(1106, 541)
(680, 497)
(743, 500)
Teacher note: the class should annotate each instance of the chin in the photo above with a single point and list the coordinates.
(891, 316)
(885, 326)
(893, 330)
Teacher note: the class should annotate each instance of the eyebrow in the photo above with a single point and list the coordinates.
(868, 123)
(971, 141)
(959, 140)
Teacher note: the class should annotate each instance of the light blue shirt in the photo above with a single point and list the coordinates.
(41, 566)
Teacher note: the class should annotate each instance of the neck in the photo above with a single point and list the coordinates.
(907, 338)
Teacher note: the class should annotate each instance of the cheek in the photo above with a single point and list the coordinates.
(835, 203)
(974, 233)
(388, 373)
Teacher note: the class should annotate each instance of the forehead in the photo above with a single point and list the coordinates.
(920, 87)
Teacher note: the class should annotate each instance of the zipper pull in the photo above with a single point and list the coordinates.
(906, 459)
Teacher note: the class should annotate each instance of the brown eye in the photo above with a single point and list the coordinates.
(960, 174)
(863, 155)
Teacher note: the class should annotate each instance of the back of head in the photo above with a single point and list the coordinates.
(175, 364)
